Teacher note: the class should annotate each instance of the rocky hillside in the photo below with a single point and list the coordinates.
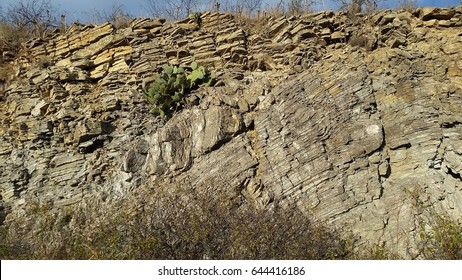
(356, 118)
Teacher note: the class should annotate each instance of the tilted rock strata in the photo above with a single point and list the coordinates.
(347, 119)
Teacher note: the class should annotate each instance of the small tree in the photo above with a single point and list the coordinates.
(357, 6)
(407, 5)
(116, 15)
(240, 7)
(251, 6)
(34, 16)
(171, 9)
(299, 6)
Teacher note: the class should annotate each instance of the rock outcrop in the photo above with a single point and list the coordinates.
(350, 118)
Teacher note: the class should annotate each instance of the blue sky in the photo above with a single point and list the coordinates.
(83, 9)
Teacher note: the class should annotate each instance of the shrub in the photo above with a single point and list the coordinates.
(172, 84)
(439, 237)
(185, 224)
(23, 20)
(171, 9)
(196, 17)
(169, 226)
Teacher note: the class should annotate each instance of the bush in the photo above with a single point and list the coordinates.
(439, 237)
(183, 224)
(168, 226)
(21, 21)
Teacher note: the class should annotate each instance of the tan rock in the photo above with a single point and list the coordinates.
(338, 36)
(429, 13)
(144, 23)
(100, 71)
(99, 46)
(40, 108)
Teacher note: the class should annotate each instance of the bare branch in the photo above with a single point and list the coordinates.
(240, 7)
(34, 15)
(171, 9)
(299, 6)
(357, 6)
(116, 15)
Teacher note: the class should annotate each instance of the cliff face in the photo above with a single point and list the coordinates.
(354, 119)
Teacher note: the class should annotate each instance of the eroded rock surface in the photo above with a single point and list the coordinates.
(349, 119)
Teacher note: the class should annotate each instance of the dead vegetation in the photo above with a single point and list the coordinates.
(168, 225)
(188, 225)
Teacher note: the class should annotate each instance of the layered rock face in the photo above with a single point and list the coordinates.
(354, 119)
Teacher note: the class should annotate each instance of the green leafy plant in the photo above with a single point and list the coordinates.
(173, 83)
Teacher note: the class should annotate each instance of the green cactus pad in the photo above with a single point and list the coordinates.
(167, 69)
(193, 65)
(172, 83)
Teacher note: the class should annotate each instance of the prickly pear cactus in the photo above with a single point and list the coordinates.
(172, 84)
(200, 75)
